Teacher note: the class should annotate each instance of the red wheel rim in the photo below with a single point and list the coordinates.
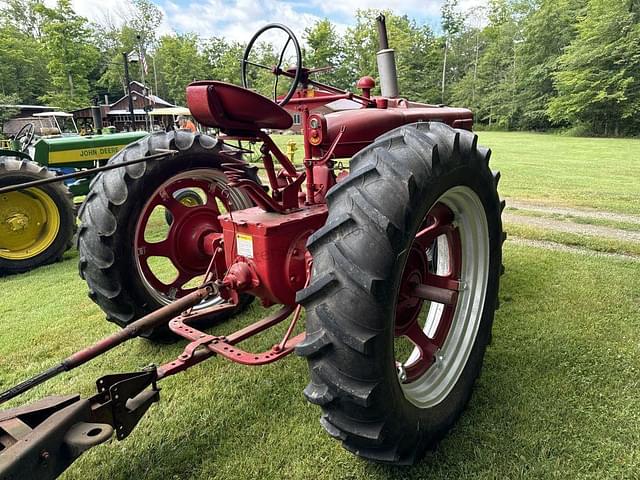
(421, 284)
(184, 242)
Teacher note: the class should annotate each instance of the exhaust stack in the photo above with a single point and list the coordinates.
(386, 62)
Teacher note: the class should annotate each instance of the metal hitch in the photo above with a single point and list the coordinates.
(41, 440)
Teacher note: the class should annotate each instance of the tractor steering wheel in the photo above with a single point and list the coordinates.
(24, 136)
(276, 70)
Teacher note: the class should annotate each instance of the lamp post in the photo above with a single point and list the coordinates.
(125, 56)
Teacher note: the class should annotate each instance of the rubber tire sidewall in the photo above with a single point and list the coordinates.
(359, 258)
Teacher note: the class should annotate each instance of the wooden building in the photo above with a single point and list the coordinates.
(117, 114)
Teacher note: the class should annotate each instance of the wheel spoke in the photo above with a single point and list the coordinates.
(432, 293)
(150, 276)
(284, 49)
(441, 214)
(441, 223)
(175, 289)
(176, 208)
(157, 249)
(427, 351)
(449, 282)
(415, 333)
(213, 194)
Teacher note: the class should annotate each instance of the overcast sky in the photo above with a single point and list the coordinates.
(238, 19)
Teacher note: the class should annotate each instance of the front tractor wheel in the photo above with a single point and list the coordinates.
(141, 243)
(403, 292)
(36, 224)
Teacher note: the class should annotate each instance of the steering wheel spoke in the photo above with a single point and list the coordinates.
(276, 70)
(255, 64)
(25, 136)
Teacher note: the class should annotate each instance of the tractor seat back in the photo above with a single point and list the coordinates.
(234, 109)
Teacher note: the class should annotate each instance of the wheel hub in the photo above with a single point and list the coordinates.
(29, 223)
(17, 222)
(188, 238)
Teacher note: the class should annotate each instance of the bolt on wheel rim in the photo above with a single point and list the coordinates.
(180, 243)
(441, 296)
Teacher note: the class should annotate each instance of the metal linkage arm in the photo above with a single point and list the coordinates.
(87, 173)
(154, 319)
(42, 440)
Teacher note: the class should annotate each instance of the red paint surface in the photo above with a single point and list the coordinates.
(278, 248)
(230, 107)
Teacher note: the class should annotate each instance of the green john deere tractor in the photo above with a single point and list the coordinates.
(37, 224)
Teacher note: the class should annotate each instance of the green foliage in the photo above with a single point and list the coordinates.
(72, 57)
(222, 59)
(325, 48)
(178, 59)
(25, 15)
(599, 79)
(23, 65)
(563, 362)
(417, 55)
(518, 64)
(548, 31)
(137, 34)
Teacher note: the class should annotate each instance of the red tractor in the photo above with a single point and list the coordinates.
(396, 263)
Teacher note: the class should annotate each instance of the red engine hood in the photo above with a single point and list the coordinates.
(363, 126)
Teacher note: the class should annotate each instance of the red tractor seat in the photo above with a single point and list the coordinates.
(233, 108)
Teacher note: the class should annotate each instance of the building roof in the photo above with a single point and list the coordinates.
(53, 114)
(170, 111)
(343, 104)
(30, 107)
(136, 111)
(153, 98)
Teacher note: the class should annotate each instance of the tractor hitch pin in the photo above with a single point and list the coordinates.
(87, 173)
(153, 319)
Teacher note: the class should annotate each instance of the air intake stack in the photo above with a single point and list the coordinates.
(386, 62)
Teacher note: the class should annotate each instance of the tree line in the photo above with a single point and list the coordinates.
(518, 64)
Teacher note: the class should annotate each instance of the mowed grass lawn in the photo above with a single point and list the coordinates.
(558, 397)
(600, 173)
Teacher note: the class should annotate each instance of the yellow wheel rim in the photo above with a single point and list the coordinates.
(29, 223)
(190, 201)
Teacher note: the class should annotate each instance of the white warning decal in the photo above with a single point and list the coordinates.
(244, 245)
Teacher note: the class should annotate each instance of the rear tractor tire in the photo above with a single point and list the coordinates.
(36, 224)
(132, 259)
(395, 334)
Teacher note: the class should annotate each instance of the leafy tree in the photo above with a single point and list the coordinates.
(417, 55)
(325, 49)
(599, 77)
(491, 89)
(180, 62)
(23, 61)
(72, 57)
(546, 31)
(25, 15)
(137, 33)
(452, 23)
(223, 60)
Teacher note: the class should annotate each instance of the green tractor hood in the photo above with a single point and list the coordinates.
(81, 151)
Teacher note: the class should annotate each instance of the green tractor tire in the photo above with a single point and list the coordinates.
(36, 224)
